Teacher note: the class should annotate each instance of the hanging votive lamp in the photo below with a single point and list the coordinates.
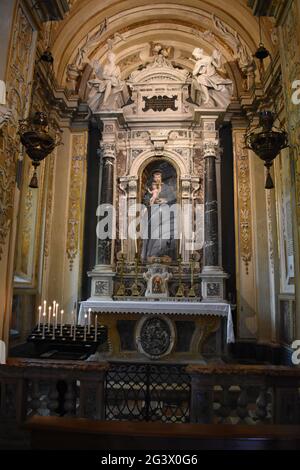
(266, 141)
(38, 139)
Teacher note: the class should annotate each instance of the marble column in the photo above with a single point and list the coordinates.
(103, 273)
(104, 248)
(211, 232)
(212, 276)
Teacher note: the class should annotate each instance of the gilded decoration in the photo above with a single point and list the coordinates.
(26, 237)
(270, 229)
(31, 208)
(77, 188)
(29, 228)
(18, 83)
(244, 196)
(290, 47)
(49, 205)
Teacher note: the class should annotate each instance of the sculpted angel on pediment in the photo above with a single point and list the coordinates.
(208, 81)
(103, 89)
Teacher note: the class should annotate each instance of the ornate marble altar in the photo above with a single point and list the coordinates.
(159, 155)
(138, 328)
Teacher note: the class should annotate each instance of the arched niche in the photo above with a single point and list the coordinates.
(169, 180)
(138, 165)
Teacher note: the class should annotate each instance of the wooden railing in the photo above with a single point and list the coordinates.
(49, 388)
(213, 394)
(49, 433)
(238, 394)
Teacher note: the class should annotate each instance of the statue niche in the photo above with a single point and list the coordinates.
(158, 227)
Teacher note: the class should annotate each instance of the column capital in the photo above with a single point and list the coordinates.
(108, 150)
(211, 148)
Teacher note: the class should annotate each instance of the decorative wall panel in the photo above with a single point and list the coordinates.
(245, 253)
(76, 194)
(18, 80)
(19, 73)
(290, 54)
(285, 223)
(244, 196)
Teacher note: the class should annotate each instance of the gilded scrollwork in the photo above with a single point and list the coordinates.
(76, 192)
(270, 229)
(49, 206)
(18, 82)
(244, 195)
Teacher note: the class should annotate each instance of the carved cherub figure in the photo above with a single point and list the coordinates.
(154, 192)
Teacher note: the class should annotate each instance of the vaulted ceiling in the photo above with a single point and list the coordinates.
(181, 25)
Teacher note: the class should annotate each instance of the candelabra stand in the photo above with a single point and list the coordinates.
(180, 291)
(192, 292)
(121, 290)
(135, 291)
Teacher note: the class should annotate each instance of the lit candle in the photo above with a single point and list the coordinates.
(180, 243)
(44, 321)
(54, 304)
(61, 322)
(96, 327)
(74, 325)
(45, 306)
(56, 313)
(136, 246)
(89, 324)
(75, 307)
(49, 316)
(85, 319)
(40, 312)
(72, 322)
(53, 330)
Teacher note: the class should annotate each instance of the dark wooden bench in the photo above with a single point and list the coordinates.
(85, 434)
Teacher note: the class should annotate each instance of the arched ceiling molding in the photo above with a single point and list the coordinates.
(123, 14)
(176, 36)
(138, 48)
(137, 51)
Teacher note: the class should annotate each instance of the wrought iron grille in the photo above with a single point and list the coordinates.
(147, 392)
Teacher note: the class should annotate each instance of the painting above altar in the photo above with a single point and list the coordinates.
(159, 219)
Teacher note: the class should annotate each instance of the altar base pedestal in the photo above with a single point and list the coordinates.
(213, 285)
(102, 283)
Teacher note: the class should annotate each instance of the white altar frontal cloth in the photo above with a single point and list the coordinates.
(159, 308)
